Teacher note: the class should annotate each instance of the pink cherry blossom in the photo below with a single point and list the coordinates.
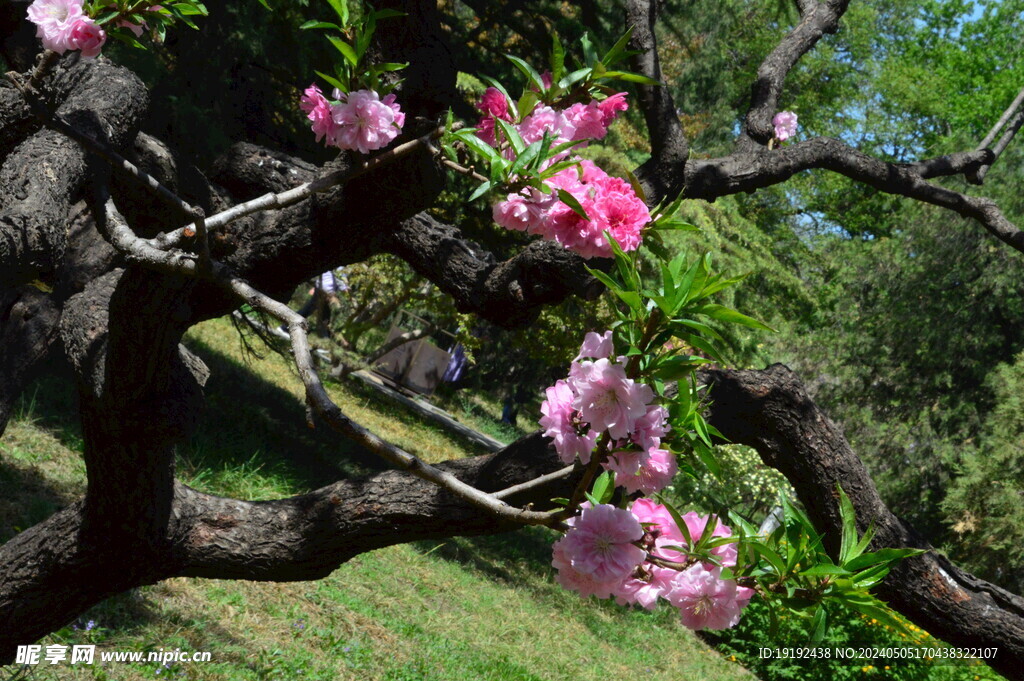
(611, 107)
(581, 582)
(596, 345)
(318, 110)
(651, 427)
(364, 122)
(545, 119)
(608, 400)
(645, 586)
(88, 36)
(600, 543)
(646, 472)
(663, 526)
(785, 125)
(562, 424)
(705, 600)
(54, 20)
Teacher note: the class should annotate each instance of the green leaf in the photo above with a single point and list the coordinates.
(570, 200)
(576, 76)
(637, 187)
(773, 558)
(346, 50)
(618, 51)
(678, 519)
(333, 81)
(512, 135)
(848, 517)
(105, 17)
(526, 104)
(724, 314)
(604, 487)
(589, 52)
(391, 66)
(825, 570)
(480, 191)
(366, 34)
(341, 9)
(526, 158)
(629, 77)
(882, 556)
(319, 24)
(482, 149)
(818, 625)
(528, 71)
(557, 58)
(389, 14)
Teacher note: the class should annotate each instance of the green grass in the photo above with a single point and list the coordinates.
(456, 610)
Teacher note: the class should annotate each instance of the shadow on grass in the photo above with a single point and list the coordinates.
(27, 497)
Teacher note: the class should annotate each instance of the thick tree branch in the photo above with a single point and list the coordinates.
(771, 411)
(510, 293)
(819, 19)
(669, 146)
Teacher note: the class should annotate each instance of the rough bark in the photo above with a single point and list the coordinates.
(771, 411)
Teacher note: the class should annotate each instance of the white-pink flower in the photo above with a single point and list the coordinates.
(561, 423)
(54, 20)
(581, 582)
(705, 600)
(600, 543)
(646, 472)
(364, 121)
(785, 125)
(596, 346)
(651, 427)
(608, 400)
(88, 36)
(644, 588)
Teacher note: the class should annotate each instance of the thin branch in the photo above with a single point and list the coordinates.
(294, 195)
(1014, 121)
(536, 482)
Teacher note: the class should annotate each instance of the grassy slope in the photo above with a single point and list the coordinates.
(463, 609)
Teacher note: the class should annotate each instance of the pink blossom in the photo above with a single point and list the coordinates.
(318, 110)
(785, 125)
(662, 524)
(705, 600)
(545, 119)
(581, 582)
(587, 121)
(494, 104)
(88, 36)
(651, 427)
(611, 107)
(596, 345)
(646, 472)
(364, 122)
(600, 543)
(626, 464)
(563, 424)
(54, 20)
(696, 524)
(610, 401)
(643, 588)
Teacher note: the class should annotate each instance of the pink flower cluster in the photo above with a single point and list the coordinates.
(578, 123)
(357, 121)
(62, 26)
(785, 125)
(606, 554)
(598, 396)
(609, 202)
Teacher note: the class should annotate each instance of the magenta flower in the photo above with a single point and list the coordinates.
(494, 105)
(318, 110)
(596, 346)
(364, 121)
(88, 36)
(600, 543)
(611, 107)
(610, 401)
(785, 125)
(54, 20)
(705, 600)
